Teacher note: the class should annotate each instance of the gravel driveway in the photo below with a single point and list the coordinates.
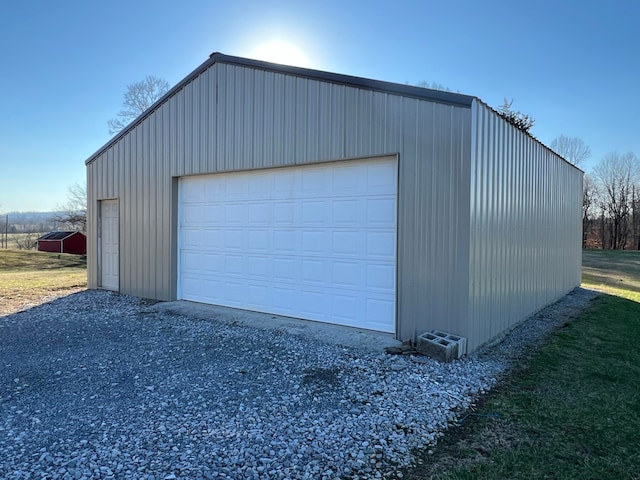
(102, 385)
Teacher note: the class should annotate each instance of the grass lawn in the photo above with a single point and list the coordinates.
(573, 411)
(28, 277)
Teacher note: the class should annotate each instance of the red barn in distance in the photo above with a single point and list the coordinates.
(63, 242)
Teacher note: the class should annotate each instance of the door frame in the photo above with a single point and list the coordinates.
(100, 251)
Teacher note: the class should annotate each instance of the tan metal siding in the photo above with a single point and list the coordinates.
(525, 226)
(433, 215)
(133, 171)
(237, 118)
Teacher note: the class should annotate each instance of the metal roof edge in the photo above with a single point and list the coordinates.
(530, 135)
(441, 96)
(456, 99)
(57, 232)
(172, 91)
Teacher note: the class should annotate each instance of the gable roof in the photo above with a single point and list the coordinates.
(439, 96)
(57, 235)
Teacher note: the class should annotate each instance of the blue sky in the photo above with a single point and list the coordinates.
(574, 66)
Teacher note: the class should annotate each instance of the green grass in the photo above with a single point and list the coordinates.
(573, 411)
(28, 277)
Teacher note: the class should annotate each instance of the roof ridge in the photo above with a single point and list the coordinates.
(457, 99)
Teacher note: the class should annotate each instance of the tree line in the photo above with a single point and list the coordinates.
(610, 196)
(611, 204)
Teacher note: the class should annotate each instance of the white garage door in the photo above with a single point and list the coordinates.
(315, 242)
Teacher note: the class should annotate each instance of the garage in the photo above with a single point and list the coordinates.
(316, 242)
(334, 198)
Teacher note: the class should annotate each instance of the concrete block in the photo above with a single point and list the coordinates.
(462, 341)
(442, 346)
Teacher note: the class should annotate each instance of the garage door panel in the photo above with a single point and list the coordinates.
(259, 185)
(258, 297)
(259, 267)
(192, 239)
(311, 303)
(346, 213)
(382, 178)
(236, 214)
(381, 245)
(260, 213)
(235, 239)
(211, 214)
(213, 189)
(235, 187)
(283, 214)
(192, 214)
(314, 182)
(234, 265)
(345, 243)
(285, 241)
(191, 262)
(379, 277)
(193, 194)
(314, 242)
(314, 271)
(314, 212)
(284, 184)
(259, 241)
(346, 309)
(211, 239)
(347, 180)
(285, 269)
(190, 283)
(209, 263)
(282, 302)
(347, 274)
(381, 212)
(378, 311)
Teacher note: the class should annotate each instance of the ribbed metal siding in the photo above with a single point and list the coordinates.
(525, 226)
(136, 174)
(237, 118)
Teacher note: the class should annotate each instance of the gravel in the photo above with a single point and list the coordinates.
(98, 385)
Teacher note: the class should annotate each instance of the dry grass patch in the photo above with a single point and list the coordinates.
(612, 271)
(29, 278)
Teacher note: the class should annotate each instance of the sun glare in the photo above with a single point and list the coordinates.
(277, 51)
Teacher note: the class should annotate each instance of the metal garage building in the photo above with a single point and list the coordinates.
(334, 198)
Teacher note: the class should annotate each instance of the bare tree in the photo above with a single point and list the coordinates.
(137, 99)
(617, 176)
(4, 230)
(433, 86)
(26, 241)
(572, 149)
(73, 213)
(519, 120)
(589, 199)
(635, 215)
